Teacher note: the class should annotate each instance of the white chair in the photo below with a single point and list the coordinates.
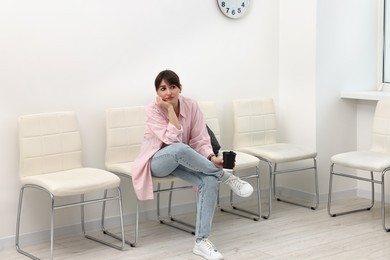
(243, 162)
(255, 132)
(50, 153)
(124, 134)
(375, 160)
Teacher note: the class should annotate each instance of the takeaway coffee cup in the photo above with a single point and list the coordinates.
(228, 159)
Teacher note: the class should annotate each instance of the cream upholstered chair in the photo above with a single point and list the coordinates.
(244, 161)
(50, 154)
(124, 134)
(375, 160)
(255, 131)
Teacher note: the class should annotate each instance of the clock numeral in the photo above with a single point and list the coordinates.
(237, 10)
(233, 12)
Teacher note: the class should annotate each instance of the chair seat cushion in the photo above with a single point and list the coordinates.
(125, 169)
(122, 168)
(244, 161)
(363, 160)
(74, 182)
(280, 152)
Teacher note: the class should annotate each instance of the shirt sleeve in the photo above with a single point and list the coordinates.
(159, 125)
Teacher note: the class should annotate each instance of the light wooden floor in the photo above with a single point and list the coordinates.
(292, 232)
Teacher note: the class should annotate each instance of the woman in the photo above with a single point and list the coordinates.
(176, 142)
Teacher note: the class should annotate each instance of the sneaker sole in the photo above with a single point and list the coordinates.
(200, 253)
(245, 195)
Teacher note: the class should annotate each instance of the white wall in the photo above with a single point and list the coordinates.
(297, 80)
(347, 47)
(89, 55)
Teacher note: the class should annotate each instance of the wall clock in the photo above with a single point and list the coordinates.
(233, 8)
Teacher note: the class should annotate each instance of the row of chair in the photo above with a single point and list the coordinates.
(255, 133)
(254, 117)
(51, 160)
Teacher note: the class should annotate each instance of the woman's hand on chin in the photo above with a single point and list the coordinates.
(162, 103)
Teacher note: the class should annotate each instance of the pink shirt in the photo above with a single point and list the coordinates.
(159, 131)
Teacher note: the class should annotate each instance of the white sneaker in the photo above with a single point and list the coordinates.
(239, 187)
(206, 249)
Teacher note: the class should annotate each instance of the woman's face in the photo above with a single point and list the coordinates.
(169, 93)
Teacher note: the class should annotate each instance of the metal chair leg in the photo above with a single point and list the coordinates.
(184, 226)
(109, 233)
(330, 191)
(372, 181)
(243, 212)
(52, 227)
(332, 173)
(54, 207)
(17, 236)
(270, 185)
(316, 185)
(122, 237)
(383, 203)
(136, 231)
(273, 171)
(314, 168)
(170, 220)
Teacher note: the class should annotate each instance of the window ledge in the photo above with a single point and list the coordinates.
(365, 95)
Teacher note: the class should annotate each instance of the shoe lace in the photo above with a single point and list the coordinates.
(209, 245)
(235, 182)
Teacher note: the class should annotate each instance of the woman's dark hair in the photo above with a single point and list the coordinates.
(169, 76)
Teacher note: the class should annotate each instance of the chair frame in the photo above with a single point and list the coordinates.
(169, 220)
(263, 134)
(370, 180)
(273, 172)
(53, 205)
(213, 122)
(375, 160)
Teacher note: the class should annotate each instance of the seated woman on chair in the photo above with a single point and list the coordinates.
(176, 142)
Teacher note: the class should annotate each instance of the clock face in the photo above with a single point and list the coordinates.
(233, 8)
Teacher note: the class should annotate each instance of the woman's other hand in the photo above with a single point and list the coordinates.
(217, 161)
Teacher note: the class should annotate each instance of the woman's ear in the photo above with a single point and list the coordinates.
(181, 88)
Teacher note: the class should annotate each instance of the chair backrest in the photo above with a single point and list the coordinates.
(210, 115)
(254, 122)
(381, 127)
(125, 128)
(49, 142)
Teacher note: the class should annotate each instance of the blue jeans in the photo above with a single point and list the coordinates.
(182, 161)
